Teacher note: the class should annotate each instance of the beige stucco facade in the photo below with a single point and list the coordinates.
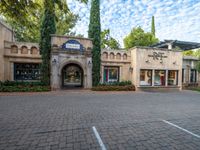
(71, 64)
(61, 57)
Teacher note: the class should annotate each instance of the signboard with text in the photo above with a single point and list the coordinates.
(72, 45)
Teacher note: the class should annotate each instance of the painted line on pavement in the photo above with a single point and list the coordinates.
(98, 138)
(196, 135)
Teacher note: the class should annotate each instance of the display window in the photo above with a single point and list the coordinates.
(172, 77)
(145, 77)
(26, 71)
(111, 74)
(159, 78)
(193, 75)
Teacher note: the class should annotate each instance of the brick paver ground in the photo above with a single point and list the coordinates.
(124, 120)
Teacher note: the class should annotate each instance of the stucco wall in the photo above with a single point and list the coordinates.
(143, 59)
(6, 33)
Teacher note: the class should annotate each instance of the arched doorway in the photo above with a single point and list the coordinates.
(72, 76)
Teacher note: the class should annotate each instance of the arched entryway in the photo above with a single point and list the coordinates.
(72, 76)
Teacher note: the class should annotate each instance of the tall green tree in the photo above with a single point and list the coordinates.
(153, 30)
(107, 41)
(95, 33)
(138, 37)
(48, 27)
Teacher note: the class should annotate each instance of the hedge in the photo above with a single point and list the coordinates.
(114, 88)
(14, 86)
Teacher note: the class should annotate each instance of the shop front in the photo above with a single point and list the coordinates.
(156, 68)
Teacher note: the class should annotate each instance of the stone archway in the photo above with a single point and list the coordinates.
(72, 76)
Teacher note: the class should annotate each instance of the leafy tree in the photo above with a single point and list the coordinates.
(95, 33)
(108, 41)
(153, 31)
(138, 37)
(189, 53)
(195, 54)
(30, 31)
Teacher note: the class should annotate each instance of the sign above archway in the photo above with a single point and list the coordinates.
(72, 45)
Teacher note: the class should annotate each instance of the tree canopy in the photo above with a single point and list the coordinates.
(107, 41)
(27, 27)
(138, 37)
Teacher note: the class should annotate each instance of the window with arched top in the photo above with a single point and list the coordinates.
(14, 49)
(118, 56)
(24, 50)
(125, 57)
(112, 55)
(34, 50)
(105, 55)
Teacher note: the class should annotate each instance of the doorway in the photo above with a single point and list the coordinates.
(72, 76)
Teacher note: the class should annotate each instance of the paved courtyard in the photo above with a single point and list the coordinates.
(100, 120)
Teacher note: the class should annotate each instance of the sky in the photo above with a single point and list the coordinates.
(174, 19)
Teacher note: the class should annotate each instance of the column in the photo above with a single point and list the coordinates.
(153, 73)
(166, 78)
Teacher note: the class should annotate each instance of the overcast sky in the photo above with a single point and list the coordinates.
(174, 19)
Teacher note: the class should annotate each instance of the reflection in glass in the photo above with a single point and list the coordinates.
(172, 77)
(111, 74)
(146, 77)
(26, 71)
(159, 78)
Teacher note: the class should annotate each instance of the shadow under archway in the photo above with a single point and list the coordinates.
(72, 76)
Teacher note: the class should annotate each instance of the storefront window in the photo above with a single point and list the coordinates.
(159, 78)
(172, 77)
(111, 74)
(193, 75)
(145, 77)
(24, 71)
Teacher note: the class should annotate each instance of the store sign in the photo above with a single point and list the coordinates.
(157, 56)
(72, 45)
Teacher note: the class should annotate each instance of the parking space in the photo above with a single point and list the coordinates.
(100, 120)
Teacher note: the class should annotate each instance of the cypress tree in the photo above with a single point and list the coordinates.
(48, 27)
(153, 27)
(95, 34)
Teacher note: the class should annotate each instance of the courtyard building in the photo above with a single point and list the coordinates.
(157, 67)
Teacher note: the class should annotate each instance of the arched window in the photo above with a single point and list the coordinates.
(34, 50)
(112, 55)
(105, 55)
(118, 56)
(14, 49)
(24, 50)
(125, 57)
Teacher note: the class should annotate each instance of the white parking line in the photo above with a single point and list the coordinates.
(196, 135)
(98, 138)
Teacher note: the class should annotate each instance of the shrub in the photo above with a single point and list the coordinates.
(15, 86)
(122, 83)
(114, 88)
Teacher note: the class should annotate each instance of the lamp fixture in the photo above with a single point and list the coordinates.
(54, 61)
(89, 63)
(131, 69)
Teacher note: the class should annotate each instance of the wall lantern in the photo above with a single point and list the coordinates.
(131, 69)
(54, 61)
(89, 63)
(174, 63)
